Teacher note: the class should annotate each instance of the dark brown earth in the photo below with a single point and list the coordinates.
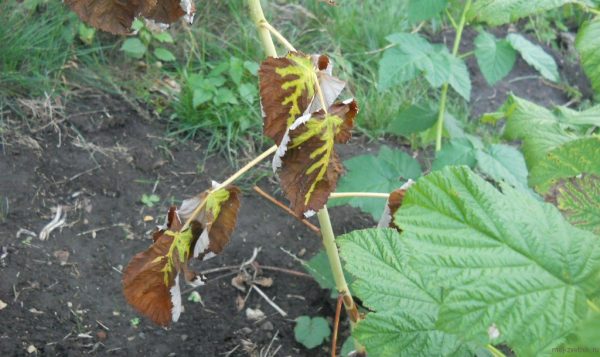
(96, 158)
(97, 169)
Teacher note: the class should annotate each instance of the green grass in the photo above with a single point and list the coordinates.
(37, 45)
(34, 47)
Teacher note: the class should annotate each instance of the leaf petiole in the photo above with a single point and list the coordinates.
(278, 35)
(495, 352)
(359, 194)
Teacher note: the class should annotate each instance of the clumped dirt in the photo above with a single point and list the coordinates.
(96, 158)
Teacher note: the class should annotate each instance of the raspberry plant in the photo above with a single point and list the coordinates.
(458, 265)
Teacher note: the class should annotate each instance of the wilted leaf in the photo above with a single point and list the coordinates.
(216, 220)
(151, 279)
(391, 206)
(306, 161)
(287, 89)
(116, 16)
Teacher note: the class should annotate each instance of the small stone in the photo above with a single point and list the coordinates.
(148, 218)
(267, 326)
(254, 314)
(246, 330)
(62, 256)
(3, 305)
(142, 335)
(101, 335)
(31, 349)
(184, 338)
(302, 252)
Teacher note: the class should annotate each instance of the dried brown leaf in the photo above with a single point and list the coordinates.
(307, 163)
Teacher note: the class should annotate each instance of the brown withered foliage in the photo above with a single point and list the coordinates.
(215, 232)
(286, 90)
(116, 16)
(310, 167)
(394, 202)
(144, 283)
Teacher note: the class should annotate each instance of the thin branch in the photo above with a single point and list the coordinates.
(269, 301)
(227, 182)
(274, 201)
(451, 18)
(278, 36)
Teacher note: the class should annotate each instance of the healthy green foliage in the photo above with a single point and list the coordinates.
(500, 162)
(420, 10)
(568, 160)
(579, 200)
(500, 256)
(499, 12)
(311, 332)
(414, 119)
(495, 58)
(584, 342)
(405, 303)
(150, 200)
(164, 55)
(588, 46)
(382, 173)
(347, 347)
(538, 129)
(318, 267)
(503, 163)
(535, 56)
(133, 47)
(220, 102)
(413, 55)
(460, 151)
(137, 47)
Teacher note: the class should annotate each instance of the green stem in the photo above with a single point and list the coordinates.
(495, 352)
(444, 96)
(257, 15)
(466, 54)
(336, 269)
